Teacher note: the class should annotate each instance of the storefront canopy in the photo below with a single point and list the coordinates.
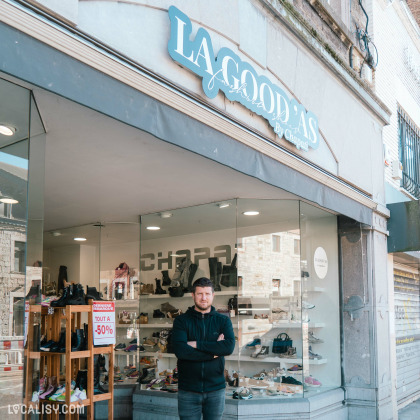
(41, 65)
(404, 226)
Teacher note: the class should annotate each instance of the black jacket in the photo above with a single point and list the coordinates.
(198, 369)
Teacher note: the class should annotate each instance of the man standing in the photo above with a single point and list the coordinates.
(201, 337)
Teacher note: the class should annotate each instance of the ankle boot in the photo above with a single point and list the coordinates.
(193, 270)
(213, 269)
(92, 293)
(97, 387)
(101, 363)
(80, 342)
(85, 336)
(219, 267)
(159, 290)
(166, 281)
(60, 347)
(67, 294)
(78, 297)
(81, 380)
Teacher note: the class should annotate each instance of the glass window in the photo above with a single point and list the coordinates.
(276, 243)
(296, 246)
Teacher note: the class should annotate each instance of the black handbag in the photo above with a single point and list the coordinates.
(282, 343)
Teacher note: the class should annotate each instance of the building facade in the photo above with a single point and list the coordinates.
(139, 107)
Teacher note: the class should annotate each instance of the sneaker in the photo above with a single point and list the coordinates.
(310, 381)
(260, 351)
(133, 341)
(273, 390)
(312, 339)
(149, 377)
(149, 343)
(78, 395)
(62, 397)
(60, 390)
(158, 384)
(307, 305)
(295, 368)
(120, 346)
(290, 380)
(131, 347)
(35, 396)
(262, 375)
(313, 355)
(255, 342)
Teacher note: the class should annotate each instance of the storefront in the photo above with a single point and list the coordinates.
(188, 143)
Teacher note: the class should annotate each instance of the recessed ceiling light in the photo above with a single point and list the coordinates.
(165, 215)
(7, 130)
(80, 239)
(8, 200)
(153, 228)
(251, 213)
(223, 205)
(56, 234)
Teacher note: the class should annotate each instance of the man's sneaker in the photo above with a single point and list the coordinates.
(290, 380)
(131, 347)
(149, 376)
(120, 346)
(313, 355)
(255, 342)
(307, 305)
(295, 368)
(310, 381)
(312, 339)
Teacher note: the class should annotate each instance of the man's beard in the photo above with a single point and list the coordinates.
(200, 307)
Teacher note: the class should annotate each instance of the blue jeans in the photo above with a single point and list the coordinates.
(193, 405)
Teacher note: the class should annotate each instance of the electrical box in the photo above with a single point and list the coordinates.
(397, 169)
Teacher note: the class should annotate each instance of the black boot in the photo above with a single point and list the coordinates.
(159, 290)
(213, 269)
(101, 363)
(193, 270)
(36, 338)
(60, 347)
(80, 341)
(34, 293)
(219, 267)
(166, 281)
(78, 297)
(81, 380)
(62, 275)
(67, 294)
(97, 387)
(85, 336)
(92, 293)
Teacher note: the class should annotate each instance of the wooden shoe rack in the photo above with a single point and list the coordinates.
(49, 363)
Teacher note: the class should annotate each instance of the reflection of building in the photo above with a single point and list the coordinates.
(268, 257)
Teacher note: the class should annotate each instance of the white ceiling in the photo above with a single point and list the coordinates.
(99, 169)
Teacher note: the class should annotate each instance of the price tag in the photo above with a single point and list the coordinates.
(103, 322)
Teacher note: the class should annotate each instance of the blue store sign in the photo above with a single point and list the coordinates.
(240, 82)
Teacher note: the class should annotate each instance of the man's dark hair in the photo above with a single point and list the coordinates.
(202, 282)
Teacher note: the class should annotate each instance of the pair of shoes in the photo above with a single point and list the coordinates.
(120, 346)
(310, 381)
(295, 368)
(72, 295)
(290, 380)
(260, 351)
(173, 314)
(242, 394)
(157, 313)
(256, 341)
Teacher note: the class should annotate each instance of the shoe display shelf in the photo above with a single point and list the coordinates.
(50, 362)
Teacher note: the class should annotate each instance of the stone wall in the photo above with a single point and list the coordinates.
(414, 6)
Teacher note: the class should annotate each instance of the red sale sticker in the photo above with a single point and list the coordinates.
(103, 314)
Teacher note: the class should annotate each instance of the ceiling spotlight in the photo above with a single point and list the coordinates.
(251, 213)
(80, 239)
(165, 215)
(223, 205)
(56, 233)
(8, 200)
(7, 130)
(153, 228)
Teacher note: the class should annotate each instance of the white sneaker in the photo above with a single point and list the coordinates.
(35, 396)
(78, 395)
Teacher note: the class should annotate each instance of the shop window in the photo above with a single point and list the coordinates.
(276, 241)
(19, 257)
(409, 145)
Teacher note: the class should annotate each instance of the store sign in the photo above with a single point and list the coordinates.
(240, 82)
(320, 262)
(103, 322)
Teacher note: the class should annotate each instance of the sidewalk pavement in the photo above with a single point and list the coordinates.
(410, 412)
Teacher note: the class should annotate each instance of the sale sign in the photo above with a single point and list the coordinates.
(103, 322)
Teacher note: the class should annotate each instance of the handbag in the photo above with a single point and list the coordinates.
(282, 343)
